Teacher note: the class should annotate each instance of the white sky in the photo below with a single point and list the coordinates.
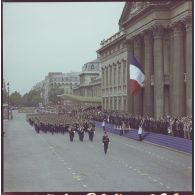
(53, 37)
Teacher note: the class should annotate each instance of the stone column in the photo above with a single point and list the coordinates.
(116, 82)
(148, 64)
(178, 70)
(188, 62)
(121, 77)
(138, 99)
(158, 72)
(118, 75)
(122, 103)
(113, 79)
(171, 71)
(129, 96)
(109, 79)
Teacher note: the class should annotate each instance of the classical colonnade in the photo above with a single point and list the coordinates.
(166, 57)
(114, 86)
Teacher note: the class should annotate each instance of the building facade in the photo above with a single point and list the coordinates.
(65, 81)
(90, 80)
(159, 35)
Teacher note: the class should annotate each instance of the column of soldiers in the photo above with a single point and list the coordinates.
(53, 123)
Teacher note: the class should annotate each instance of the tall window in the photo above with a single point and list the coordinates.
(110, 76)
(124, 72)
(119, 74)
(114, 75)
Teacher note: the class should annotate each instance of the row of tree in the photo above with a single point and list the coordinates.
(32, 98)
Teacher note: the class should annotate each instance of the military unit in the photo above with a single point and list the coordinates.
(54, 123)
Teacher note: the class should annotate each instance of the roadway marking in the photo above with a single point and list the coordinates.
(84, 185)
(153, 154)
(77, 177)
(61, 159)
(138, 171)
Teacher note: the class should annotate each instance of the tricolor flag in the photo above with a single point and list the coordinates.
(136, 74)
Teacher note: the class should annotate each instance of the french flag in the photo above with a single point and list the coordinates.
(136, 74)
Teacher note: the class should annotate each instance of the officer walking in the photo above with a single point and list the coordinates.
(105, 141)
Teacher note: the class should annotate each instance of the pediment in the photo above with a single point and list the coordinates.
(133, 8)
(130, 9)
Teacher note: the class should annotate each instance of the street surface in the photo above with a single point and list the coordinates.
(46, 162)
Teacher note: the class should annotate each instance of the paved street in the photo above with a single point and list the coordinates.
(42, 162)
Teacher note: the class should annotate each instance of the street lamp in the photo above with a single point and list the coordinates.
(8, 99)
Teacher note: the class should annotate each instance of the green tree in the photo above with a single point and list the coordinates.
(53, 92)
(15, 99)
(33, 98)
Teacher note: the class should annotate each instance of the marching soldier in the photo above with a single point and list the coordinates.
(105, 141)
(81, 133)
(91, 131)
(71, 133)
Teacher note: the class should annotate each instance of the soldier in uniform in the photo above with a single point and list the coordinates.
(91, 131)
(81, 133)
(105, 141)
(71, 133)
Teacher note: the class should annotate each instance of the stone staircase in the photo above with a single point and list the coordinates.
(176, 143)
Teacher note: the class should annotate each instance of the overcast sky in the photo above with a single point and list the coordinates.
(53, 37)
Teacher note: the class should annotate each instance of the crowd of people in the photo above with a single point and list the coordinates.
(81, 120)
(167, 125)
(174, 126)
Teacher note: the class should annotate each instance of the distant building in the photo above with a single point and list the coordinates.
(65, 81)
(90, 80)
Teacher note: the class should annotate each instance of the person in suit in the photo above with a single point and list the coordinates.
(105, 141)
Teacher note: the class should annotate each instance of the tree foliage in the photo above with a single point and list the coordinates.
(15, 99)
(53, 92)
(33, 98)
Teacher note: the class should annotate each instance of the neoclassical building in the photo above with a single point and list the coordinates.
(90, 80)
(159, 34)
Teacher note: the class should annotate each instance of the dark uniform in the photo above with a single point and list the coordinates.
(71, 133)
(81, 133)
(91, 131)
(105, 141)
